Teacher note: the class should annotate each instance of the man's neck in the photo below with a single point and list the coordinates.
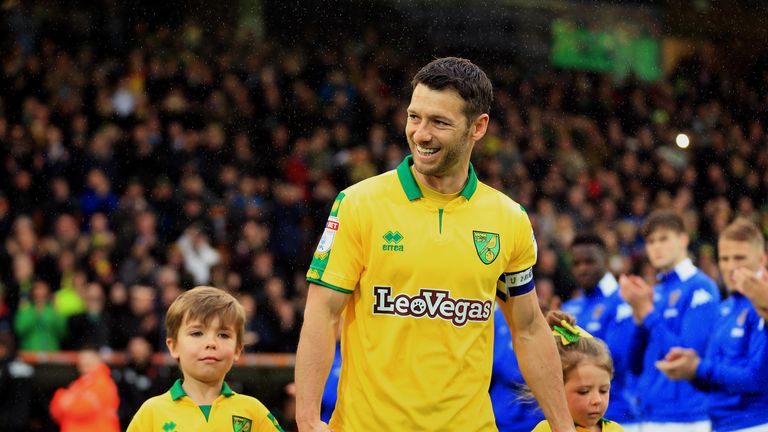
(444, 184)
(672, 267)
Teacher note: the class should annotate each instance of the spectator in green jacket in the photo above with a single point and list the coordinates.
(38, 325)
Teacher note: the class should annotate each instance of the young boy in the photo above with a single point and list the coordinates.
(205, 334)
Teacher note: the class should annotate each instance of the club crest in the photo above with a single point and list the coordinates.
(487, 245)
(241, 424)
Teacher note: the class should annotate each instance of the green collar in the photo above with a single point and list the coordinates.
(177, 391)
(411, 188)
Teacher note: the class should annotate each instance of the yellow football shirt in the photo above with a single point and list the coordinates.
(606, 426)
(423, 274)
(174, 411)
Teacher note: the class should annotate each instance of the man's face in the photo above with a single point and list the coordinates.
(665, 248)
(437, 132)
(588, 265)
(733, 254)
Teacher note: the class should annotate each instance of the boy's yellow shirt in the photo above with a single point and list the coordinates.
(422, 272)
(607, 426)
(174, 411)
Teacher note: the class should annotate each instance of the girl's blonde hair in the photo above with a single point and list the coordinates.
(586, 349)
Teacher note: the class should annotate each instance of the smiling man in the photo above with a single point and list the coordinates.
(415, 259)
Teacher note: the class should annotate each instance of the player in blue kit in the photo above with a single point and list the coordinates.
(734, 369)
(679, 311)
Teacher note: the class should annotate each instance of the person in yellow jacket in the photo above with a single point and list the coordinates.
(205, 328)
(587, 372)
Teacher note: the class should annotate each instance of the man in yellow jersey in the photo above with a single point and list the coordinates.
(415, 258)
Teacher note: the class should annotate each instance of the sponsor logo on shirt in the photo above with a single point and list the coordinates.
(431, 303)
(392, 242)
(326, 241)
(623, 312)
(674, 296)
(742, 317)
(598, 311)
(700, 297)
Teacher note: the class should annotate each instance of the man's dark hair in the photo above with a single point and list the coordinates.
(662, 219)
(588, 239)
(463, 76)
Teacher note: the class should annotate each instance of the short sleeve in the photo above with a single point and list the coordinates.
(337, 261)
(524, 247)
(518, 273)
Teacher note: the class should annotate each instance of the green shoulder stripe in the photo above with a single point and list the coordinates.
(337, 204)
(323, 250)
(274, 422)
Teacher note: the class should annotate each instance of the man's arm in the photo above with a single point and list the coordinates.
(315, 353)
(538, 357)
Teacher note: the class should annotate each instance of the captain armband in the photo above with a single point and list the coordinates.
(515, 284)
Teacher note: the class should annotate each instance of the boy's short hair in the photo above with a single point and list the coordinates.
(743, 230)
(662, 219)
(203, 303)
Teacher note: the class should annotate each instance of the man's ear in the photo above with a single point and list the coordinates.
(479, 127)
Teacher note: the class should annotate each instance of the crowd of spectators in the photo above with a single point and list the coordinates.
(192, 157)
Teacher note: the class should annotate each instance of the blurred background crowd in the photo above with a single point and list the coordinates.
(142, 155)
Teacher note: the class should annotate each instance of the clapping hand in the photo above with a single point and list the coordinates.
(638, 294)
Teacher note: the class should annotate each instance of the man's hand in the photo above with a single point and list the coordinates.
(679, 364)
(753, 286)
(556, 316)
(638, 294)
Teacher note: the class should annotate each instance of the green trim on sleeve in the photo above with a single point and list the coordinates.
(274, 422)
(327, 285)
(337, 204)
(325, 245)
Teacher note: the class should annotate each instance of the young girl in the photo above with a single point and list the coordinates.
(587, 373)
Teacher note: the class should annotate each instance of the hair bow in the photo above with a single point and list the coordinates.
(569, 333)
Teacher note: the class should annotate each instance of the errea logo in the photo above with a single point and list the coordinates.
(392, 240)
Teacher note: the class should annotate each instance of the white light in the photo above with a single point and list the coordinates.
(682, 140)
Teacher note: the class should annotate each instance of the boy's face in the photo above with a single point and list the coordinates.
(205, 353)
(666, 248)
